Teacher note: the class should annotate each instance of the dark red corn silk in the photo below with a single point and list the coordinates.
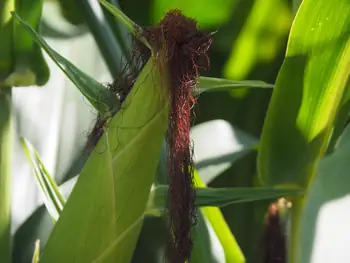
(181, 47)
(273, 243)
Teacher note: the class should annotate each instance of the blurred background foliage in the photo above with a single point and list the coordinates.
(250, 43)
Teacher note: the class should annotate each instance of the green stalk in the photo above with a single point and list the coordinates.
(104, 36)
(294, 238)
(130, 25)
(6, 64)
(6, 35)
(5, 162)
(233, 252)
(120, 32)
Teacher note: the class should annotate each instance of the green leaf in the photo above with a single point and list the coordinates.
(341, 120)
(103, 215)
(105, 37)
(203, 250)
(208, 13)
(326, 206)
(218, 84)
(307, 93)
(100, 97)
(260, 39)
(54, 201)
(305, 102)
(5, 174)
(208, 217)
(36, 253)
(232, 251)
(37, 226)
(219, 197)
(133, 28)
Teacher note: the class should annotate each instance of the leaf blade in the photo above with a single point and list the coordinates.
(117, 177)
(232, 251)
(220, 197)
(100, 97)
(54, 201)
(208, 84)
(326, 205)
(307, 94)
(130, 25)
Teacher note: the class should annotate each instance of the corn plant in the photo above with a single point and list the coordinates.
(132, 173)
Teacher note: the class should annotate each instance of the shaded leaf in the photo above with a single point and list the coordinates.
(324, 219)
(219, 197)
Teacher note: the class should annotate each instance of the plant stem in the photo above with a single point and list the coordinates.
(294, 239)
(5, 162)
(103, 34)
(120, 32)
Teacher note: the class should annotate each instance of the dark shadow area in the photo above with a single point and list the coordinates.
(38, 226)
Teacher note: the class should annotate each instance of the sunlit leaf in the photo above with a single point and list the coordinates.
(218, 84)
(53, 199)
(260, 39)
(208, 13)
(100, 97)
(103, 215)
(307, 94)
(215, 219)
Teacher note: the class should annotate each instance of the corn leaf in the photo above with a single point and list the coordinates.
(36, 253)
(214, 217)
(323, 223)
(219, 84)
(132, 27)
(103, 215)
(220, 197)
(99, 97)
(307, 94)
(54, 201)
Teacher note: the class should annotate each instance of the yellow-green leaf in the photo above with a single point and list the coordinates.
(103, 215)
(54, 201)
(307, 94)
